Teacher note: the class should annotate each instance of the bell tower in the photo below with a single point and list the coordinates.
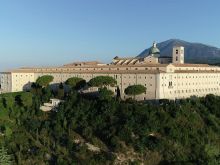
(178, 55)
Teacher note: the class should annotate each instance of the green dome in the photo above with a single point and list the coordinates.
(154, 50)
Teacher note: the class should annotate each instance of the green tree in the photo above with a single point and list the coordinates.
(44, 80)
(135, 90)
(5, 158)
(26, 99)
(102, 81)
(105, 94)
(8, 101)
(46, 94)
(75, 82)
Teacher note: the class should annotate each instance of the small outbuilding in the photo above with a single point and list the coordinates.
(52, 105)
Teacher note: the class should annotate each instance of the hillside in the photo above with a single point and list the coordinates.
(109, 131)
(194, 52)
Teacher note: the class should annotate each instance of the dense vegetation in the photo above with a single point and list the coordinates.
(108, 131)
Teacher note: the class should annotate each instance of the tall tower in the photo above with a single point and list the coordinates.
(178, 55)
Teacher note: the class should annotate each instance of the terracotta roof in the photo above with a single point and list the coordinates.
(120, 66)
(83, 63)
(134, 64)
(124, 58)
(70, 68)
(126, 62)
(29, 69)
(190, 65)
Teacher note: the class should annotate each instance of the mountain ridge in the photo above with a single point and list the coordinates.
(194, 52)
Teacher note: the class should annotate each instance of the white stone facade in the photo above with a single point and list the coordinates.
(163, 81)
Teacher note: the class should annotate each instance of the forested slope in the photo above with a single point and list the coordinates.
(109, 131)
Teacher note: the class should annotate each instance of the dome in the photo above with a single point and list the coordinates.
(154, 50)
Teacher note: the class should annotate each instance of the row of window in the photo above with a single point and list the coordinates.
(121, 68)
(195, 90)
(90, 76)
(183, 84)
(87, 69)
(163, 77)
(183, 77)
(133, 77)
(134, 84)
(21, 75)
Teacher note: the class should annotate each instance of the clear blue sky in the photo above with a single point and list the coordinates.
(54, 32)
